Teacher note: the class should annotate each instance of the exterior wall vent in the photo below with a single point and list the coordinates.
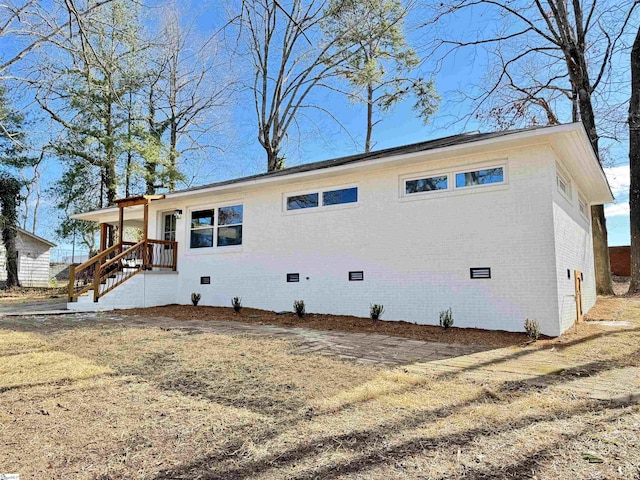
(356, 276)
(205, 280)
(480, 272)
(293, 277)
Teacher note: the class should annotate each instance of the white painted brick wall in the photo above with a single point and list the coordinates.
(415, 255)
(148, 289)
(574, 251)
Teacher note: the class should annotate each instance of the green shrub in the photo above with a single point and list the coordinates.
(446, 318)
(195, 298)
(532, 328)
(376, 311)
(298, 307)
(236, 303)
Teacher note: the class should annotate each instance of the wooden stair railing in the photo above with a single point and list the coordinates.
(81, 278)
(117, 264)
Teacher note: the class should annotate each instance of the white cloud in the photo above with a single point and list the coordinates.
(617, 209)
(618, 180)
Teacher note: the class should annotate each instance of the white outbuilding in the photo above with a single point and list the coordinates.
(33, 254)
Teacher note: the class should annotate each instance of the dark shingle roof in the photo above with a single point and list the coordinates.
(363, 157)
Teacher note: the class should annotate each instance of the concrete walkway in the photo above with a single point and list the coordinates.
(35, 307)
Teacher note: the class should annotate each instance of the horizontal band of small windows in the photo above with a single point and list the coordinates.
(322, 199)
(480, 177)
(430, 184)
(337, 197)
(297, 202)
(452, 181)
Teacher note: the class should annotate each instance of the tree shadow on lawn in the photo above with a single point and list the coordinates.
(368, 443)
(208, 467)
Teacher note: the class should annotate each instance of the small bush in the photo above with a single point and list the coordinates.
(446, 318)
(195, 298)
(376, 311)
(532, 328)
(298, 307)
(236, 303)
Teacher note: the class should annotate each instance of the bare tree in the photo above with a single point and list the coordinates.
(568, 45)
(189, 84)
(289, 59)
(31, 24)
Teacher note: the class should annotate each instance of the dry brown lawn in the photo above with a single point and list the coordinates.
(107, 401)
(27, 294)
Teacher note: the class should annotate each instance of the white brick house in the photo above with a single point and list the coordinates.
(493, 226)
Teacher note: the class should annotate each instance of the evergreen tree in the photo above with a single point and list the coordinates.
(376, 59)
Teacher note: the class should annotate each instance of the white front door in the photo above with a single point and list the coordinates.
(169, 227)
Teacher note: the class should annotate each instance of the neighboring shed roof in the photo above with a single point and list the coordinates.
(36, 237)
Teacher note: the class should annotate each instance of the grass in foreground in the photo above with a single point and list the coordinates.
(158, 404)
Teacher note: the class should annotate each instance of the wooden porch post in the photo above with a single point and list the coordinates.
(120, 224)
(145, 234)
(104, 227)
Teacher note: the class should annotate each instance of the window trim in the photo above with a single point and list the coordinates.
(211, 227)
(218, 226)
(480, 185)
(566, 179)
(321, 206)
(583, 201)
(419, 176)
(215, 249)
(451, 178)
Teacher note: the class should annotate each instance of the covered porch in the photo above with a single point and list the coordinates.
(119, 258)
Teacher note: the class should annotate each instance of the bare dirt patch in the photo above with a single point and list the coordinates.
(429, 333)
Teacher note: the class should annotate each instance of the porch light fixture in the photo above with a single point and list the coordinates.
(177, 213)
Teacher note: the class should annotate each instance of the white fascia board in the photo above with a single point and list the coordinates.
(377, 163)
(525, 138)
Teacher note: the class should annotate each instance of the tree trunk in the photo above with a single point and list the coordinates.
(580, 80)
(150, 165)
(9, 237)
(110, 176)
(127, 170)
(367, 143)
(9, 199)
(634, 165)
(274, 161)
(601, 251)
(173, 155)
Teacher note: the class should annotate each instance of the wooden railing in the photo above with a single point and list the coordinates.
(117, 264)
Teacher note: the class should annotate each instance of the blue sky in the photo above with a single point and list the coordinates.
(242, 154)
